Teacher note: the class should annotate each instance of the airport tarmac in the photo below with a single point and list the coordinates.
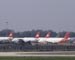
(40, 54)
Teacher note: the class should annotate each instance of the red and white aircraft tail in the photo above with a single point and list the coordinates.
(48, 35)
(67, 35)
(37, 35)
(65, 39)
(10, 36)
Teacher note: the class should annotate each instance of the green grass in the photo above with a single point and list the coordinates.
(37, 58)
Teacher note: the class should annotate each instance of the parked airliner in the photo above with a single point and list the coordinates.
(47, 38)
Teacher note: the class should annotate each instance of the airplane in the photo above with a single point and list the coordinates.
(26, 39)
(6, 39)
(65, 39)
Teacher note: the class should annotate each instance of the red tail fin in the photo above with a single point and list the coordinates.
(37, 35)
(48, 34)
(67, 35)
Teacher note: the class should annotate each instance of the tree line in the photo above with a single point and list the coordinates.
(32, 33)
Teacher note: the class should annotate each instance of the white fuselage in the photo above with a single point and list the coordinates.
(25, 39)
(4, 38)
(41, 39)
(55, 40)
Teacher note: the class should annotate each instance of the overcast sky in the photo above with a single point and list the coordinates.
(21, 15)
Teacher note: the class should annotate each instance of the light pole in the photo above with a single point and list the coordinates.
(6, 25)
